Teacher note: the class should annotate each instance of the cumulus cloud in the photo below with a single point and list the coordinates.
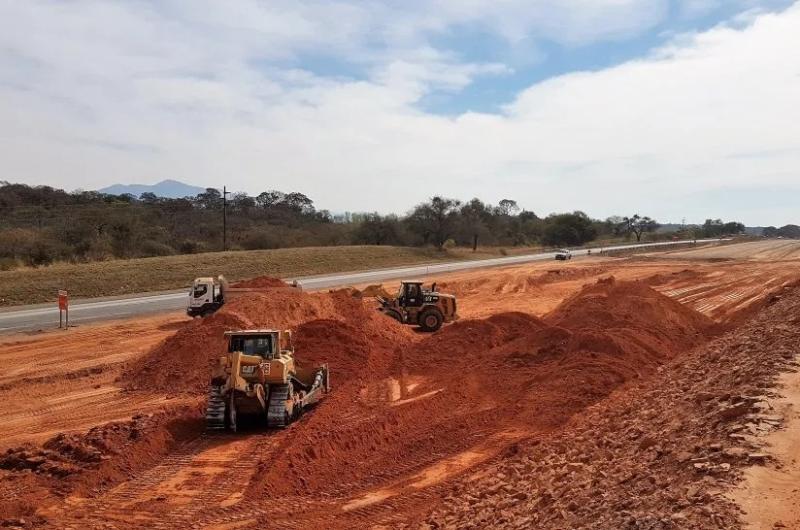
(213, 93)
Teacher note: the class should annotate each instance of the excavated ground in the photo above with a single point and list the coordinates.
(418, 426)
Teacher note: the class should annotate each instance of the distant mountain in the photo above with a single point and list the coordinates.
(171, 189)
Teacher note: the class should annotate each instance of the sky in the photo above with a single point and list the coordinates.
(676, 109)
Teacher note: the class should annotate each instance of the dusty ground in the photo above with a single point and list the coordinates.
(538, 350)
(770, 495)
(65, 381)
(767, 250)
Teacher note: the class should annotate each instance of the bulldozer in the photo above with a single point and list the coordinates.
(414, 305)
(258, 382)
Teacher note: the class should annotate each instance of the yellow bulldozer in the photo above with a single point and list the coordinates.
(417, 306)
(258, 382)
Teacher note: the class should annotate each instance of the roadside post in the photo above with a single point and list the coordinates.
(63, 309)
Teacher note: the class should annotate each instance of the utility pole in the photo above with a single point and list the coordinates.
(224, 218)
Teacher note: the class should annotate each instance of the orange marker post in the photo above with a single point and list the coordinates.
(63, 309)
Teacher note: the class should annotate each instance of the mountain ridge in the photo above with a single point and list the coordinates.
(167, 188)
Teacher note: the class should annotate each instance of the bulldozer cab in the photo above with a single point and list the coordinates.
(261, 345)
(267, 344)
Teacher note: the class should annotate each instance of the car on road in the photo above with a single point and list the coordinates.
(563, 254)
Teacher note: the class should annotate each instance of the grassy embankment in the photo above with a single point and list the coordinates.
(121, 277)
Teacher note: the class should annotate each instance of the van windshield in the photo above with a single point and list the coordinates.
(255, 345)
(200, 290)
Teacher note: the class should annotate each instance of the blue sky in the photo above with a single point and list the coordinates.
(538, 60)
(671, 108)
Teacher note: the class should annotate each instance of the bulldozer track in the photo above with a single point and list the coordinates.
(215, 409)
(276, 410)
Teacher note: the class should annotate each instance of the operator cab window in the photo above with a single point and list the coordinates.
(413, 296)
(261, 346)
(200, 290)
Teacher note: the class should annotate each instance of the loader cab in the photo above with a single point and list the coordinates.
(410, 294)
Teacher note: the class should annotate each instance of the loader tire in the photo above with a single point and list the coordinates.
(431, 320)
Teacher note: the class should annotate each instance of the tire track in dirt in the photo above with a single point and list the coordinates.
(40, 416)
(189, 488)
(416, 484)
(727, 292)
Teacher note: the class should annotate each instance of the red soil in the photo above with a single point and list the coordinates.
(401, 400)
(184, 361)
(510, 371)
(84, 463)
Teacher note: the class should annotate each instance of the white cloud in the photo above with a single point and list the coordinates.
(93, 93)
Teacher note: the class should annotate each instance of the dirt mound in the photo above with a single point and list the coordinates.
(517, 282)
(86, 463)
(685, 275)
(184, 361)
(642, 312)
(373, 291)
(473, 337)
(344, 347)
(509, 371)
(262, 282)
(660, 455)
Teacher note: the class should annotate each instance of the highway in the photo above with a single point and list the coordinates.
(45, 316)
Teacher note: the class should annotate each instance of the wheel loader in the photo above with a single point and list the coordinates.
(258, 382)
(417, 306)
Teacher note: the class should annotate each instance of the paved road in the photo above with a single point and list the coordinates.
(44, 316)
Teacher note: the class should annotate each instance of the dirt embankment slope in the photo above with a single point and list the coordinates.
(657, 456)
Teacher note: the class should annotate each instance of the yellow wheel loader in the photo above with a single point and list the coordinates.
(259, 382)
(418, 306)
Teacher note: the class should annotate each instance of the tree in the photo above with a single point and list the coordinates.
(211, 199)
(568, 229)
(637, 225)
(377, 230)
(435, 220)
(298, 202)
(733, 227)
(474, 217)
(507, 207)
(241, 202)
(268, 199)
(148, 197)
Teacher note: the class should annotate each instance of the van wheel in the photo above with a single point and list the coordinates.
(431, 320)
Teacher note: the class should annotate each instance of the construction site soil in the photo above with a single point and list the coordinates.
(604, 393)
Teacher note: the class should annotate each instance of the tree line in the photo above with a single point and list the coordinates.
(787, 231)
(40, 225)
